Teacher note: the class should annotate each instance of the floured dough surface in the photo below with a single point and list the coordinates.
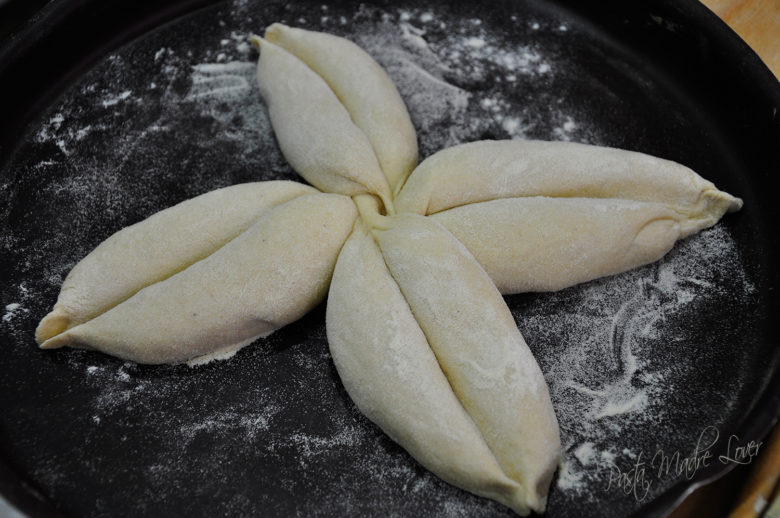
(265, 278)
(366, 91)
(160, 246)
(314, 129)
(487, 170)
(545, 244)
(393, 376)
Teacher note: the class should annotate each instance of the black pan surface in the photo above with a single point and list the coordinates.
(113, 114)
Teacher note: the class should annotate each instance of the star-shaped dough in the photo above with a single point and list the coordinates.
(414, 260)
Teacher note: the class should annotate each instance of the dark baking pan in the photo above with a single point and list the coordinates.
(114, 110)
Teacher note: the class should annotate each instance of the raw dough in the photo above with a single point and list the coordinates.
(270, 275)
(392, 375)
(158, 247)
(546, 244)
(480, 350)
(364, 89)
(542, 216)
(314, 130)
(492, 169)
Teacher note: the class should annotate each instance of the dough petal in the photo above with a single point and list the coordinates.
(487, 170)
(392, 375)
(160, 246)
(314, 130)
(364, 89)
(269, 276)
(545, 244)
(479, 348)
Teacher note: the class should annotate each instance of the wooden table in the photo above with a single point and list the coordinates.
(757, 22)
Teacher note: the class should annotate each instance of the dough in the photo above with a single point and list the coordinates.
(392, 375)
(314, 130)
(160, 246)
(479, 348)
(487, 170)
(270, 275)
(364, 89)
(541, 216)
(546, 244)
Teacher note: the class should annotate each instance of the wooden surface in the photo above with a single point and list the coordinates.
(757, 22)
(760, 486)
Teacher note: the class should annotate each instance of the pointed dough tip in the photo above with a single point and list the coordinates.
(736, 204)
(716, 204)
(273, 30)
(256, 40)
(517, 501)
(52, 324)
(722, 201)
(55, 342)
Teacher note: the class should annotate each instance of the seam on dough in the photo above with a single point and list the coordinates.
(676, 209)
(338, 252)
(180, 269)
(427, 213)
(400, 187)
(427, 340)
(341, 102)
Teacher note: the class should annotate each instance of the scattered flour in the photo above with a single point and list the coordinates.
(585, 453)
(12, 311)
(116, 99)
(453, 81)
(248, 426)
(16, 313)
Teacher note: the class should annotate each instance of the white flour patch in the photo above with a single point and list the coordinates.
(50, 128)
(12, 311)
(18, 312)
(247, 425)
(226, 82)
(116, 99)
(117, 388)
(566, 130)
(310, 445)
